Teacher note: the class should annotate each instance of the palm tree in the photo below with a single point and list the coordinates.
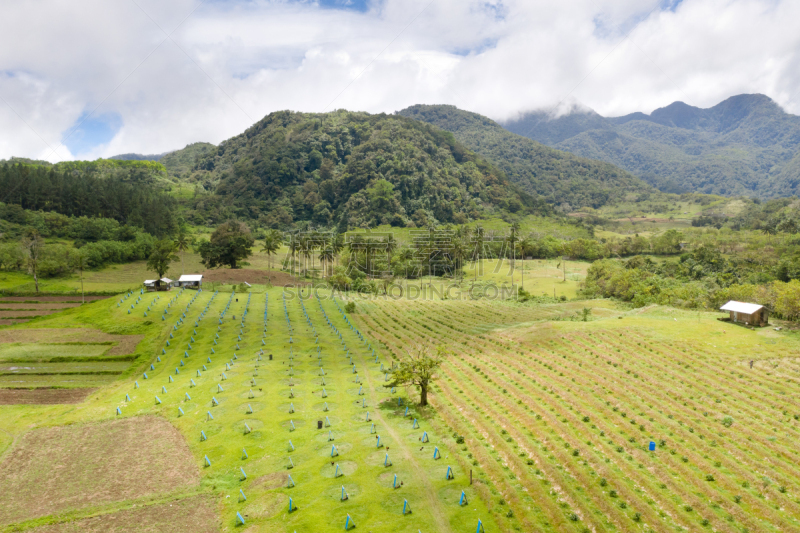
(182, 243)
(391, 246)
(459, 253)
(769, 230)
(326, 255)
(295, 245)
(525, 244)
(480, 234)
(512, 238)
(337, 244)
(272, 243)
(355, 246)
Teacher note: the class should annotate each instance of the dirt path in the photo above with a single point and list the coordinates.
(442, 524)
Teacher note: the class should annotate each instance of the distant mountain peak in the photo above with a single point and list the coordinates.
(744, 145)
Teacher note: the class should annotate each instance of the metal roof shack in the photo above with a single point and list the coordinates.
(190, 281)
(747, 313)
(163, 284)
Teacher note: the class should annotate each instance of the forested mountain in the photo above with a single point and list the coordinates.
(137, 157)
(181, 162)
(350, 169)
(557, 176)
(746, 145)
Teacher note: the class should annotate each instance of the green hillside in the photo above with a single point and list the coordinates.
(557, 176)
(746, 145)
(349, 170)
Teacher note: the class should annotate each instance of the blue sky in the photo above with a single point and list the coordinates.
(354, 5)
(91, 131)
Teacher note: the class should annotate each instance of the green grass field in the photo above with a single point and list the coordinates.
(552, 415)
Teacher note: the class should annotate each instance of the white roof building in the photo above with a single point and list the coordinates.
(741, 307)
(190, 278)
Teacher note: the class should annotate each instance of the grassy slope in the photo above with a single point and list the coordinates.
(561, 414)
(372, 504)
(677, 374)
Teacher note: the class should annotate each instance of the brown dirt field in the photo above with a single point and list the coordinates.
(272, 481)
(642, 219)
(126, 343)
(43, 396)
(57, 469)
(74, 299)
(10, 322)
(10, 306)
(195, 514)
(240, 275)
(15, 314)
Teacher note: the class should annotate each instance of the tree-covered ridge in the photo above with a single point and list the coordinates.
(180, 163)
(746, 145)
(352, 170)
(558, 177)
(80, 189)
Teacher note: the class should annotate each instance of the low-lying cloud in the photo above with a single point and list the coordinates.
(171, 73)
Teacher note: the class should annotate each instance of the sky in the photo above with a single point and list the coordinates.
(83, 79)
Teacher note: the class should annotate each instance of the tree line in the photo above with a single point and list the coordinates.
(78, 194)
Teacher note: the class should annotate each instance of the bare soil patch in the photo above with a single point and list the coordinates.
(126, 343)
(11, 321)
(63, 468)
(240, 275)
(43, 396)
(196, 514)
(22, 314)
(272, 481)
(12, 306)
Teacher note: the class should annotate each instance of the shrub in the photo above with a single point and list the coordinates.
(709, 477)
(350, 307)
(737, 499)
(727, 421)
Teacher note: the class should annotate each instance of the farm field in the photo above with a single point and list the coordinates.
(63, 359)
(551, 416)
(561, 414)
(251, 423)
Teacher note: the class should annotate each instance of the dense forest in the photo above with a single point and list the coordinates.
(746, 145)
(124, 193)
(561, 178)
(351, 170)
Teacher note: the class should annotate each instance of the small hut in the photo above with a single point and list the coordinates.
(746, 313)
(191, 281)
(153, 285)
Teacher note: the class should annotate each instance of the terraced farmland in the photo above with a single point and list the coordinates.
(282, 403)
(561, 414)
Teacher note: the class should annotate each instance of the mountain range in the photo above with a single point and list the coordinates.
(559, 177)
(745, 145)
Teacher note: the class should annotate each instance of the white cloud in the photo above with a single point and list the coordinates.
(233, 62)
